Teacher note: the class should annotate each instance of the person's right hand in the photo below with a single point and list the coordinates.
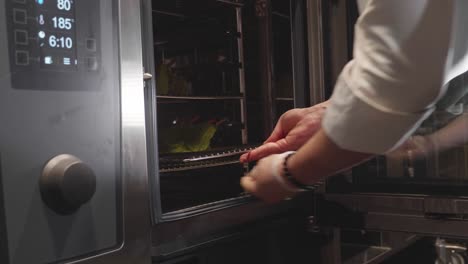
(293, 129)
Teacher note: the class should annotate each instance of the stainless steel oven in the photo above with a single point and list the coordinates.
(72, 139)
(123, 121)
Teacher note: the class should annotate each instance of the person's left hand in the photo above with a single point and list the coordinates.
(265, 181)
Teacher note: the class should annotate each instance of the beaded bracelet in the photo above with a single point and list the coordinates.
(287, 174)
(276, 172)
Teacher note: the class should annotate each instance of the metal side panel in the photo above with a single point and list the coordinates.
(136, 247)
(136, 208)
(72, 87)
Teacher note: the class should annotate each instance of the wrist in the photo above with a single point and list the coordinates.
(289, 176)
(278, 173)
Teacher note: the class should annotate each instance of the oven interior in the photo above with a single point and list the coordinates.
(210, 69)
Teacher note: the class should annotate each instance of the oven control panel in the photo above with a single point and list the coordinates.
(54, 44)
(60, 150)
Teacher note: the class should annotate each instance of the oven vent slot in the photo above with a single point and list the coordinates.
(445, 208)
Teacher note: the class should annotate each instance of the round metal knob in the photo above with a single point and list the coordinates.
(66, 183)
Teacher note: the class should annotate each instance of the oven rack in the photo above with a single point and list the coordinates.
(200, 160)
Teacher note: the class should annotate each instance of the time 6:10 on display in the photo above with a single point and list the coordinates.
(60, 42)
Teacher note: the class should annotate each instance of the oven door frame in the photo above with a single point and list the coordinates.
(422, 214)
(136, 243)
(301, 98)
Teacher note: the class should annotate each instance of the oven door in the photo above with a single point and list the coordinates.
(72, 148)
(224, 71)
(420, 187)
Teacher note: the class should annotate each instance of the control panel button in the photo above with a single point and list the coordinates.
(20, 16)
(67, 61)
(21, 37)
(92, 63)
(22, 57)
(91, 44)
(48, 60)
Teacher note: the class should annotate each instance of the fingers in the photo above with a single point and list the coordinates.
(244, 158)
(249, 184)
(262, 151)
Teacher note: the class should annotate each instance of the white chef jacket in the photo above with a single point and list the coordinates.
(404, 53)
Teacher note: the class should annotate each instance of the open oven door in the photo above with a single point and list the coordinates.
(73, 178)
(223, 72)
(403, 191)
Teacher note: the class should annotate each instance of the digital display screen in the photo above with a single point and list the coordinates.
(54, 42)
(56, 34)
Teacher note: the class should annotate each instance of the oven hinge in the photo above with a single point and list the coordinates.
(449, 253)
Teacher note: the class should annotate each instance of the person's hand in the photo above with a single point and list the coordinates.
(266, 182)
(415, 148)
(293, 129)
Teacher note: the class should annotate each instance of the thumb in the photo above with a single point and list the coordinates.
(249, 184)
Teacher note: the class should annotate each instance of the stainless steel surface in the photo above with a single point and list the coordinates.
(243, 102)
(316, 50)
(239, 4)
(375, 247)
(299, 53)
(147, 76)
(449, 253)
(417, 214)
(201, 97)
(284, 99)
(367, 254)
(137, 227)
(110, 228)
(218, 155)
(60, 110)
(337, 20)
(198, 166)
(266, 71)
(191, 161)
(169, 13)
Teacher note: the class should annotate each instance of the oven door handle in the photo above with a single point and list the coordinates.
(147, 76)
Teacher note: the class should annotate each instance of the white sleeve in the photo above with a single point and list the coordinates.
(395, 78)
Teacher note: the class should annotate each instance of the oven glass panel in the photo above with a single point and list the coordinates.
(210, 94)
(282, 56)
(433, 161)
